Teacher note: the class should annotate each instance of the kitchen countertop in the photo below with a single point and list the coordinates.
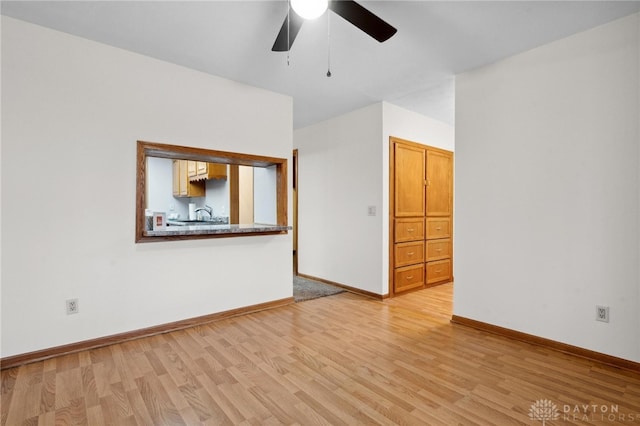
(203, 229)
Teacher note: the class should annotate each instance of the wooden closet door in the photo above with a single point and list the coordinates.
(439, 183)
(409, 181)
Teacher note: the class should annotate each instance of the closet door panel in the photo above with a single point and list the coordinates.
(439, 183)
(409, 181)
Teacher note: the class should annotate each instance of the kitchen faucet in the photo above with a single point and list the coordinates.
(207, 209)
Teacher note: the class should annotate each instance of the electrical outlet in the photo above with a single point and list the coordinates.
(602, 313)
(72, 306)
(371, 210)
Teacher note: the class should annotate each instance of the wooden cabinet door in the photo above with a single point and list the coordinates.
(176, 178)
(192, 168)
(184, 178)
(439, 183)
(201, 168)
(409, 176)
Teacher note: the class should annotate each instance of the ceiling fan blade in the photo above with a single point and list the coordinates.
(280, 45)
(363, 19)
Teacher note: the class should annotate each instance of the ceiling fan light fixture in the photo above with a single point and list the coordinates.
(309, 9)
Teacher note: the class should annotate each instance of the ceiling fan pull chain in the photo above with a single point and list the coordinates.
(328, 44)
(288, 29)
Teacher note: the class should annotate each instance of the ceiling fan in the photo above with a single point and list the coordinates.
(347, 9)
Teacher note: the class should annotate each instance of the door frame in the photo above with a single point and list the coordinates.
(295, 210)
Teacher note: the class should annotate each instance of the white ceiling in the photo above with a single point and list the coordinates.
(414, 69)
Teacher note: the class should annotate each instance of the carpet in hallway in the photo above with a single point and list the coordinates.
(306, 289)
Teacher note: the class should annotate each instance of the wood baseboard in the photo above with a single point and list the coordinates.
(346, 287)
(548, 343)
(21, 359)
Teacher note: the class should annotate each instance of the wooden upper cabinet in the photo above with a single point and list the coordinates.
(216, 171)
(439, 183)
(409, 177)
(205, 171)
(182, 187)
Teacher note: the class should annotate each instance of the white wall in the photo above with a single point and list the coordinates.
(409, 125)
(638, 130)
(339, 174)
(344, 168)
(72, 111)
(547, 191)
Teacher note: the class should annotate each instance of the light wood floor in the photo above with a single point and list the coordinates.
(340, 360)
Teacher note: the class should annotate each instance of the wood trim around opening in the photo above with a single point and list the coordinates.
(392, 207)
(548, 343)
(18, 360)
(234, 194)
(393, 139)
(154, 149)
